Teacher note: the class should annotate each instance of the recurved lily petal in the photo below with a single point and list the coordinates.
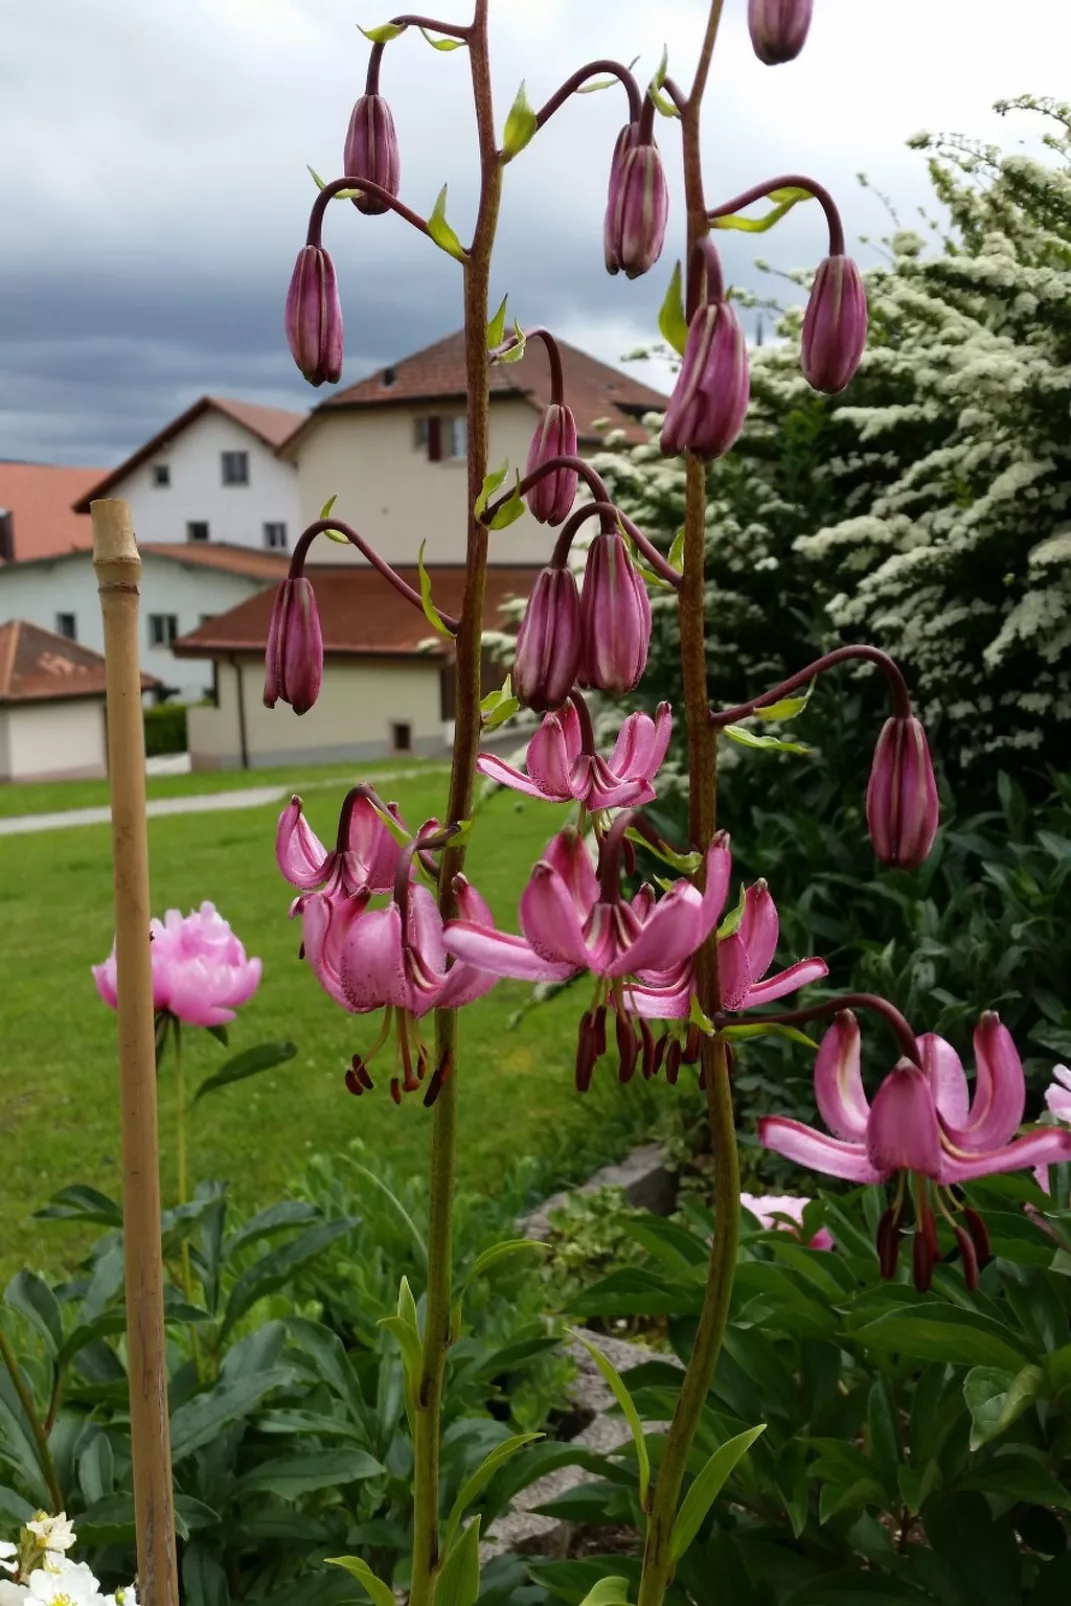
(567, 854)
(1058, 1093)
(465, 983)
(999, 1090)
(325, 925)
(1047, 1146)
(553, 751)
(759, 928)
(642, 743)
(299, 853)
(550, 919)
(838, 1080)
(789, 980)
(496, 769)
(734, 971)
(500, 953)
(372, 851)
(902, 1132)
(372, 969)
(947, 1078)
(817, 1151)
(669, 935)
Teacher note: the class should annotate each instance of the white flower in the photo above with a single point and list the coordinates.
(13, 1594)
(52, 1533)
(7, 1551)
(74, 1586)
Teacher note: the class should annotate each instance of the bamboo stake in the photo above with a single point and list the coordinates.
(118, 570)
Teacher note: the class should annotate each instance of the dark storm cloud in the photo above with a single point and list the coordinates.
(154, 193)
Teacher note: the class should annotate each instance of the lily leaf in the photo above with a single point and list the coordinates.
(632, 1416)
(706, 1488)
(511, 510)
(786, 199)
(385, 32)
(491, 481)
(788, 707)
(735, 1034)
(521, 125)
(442, 44)
(515, 352)
(431, 613)
(496, 329)
(671, 319)
(440, 230)
(746, 738)
(686, 863)
(377, 1591)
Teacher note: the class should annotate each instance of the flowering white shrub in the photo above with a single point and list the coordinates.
(41, 1573)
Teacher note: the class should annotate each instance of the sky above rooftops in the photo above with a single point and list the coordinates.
(154, 189)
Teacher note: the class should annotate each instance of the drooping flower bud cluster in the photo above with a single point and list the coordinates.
(778, 28)
(637, 206)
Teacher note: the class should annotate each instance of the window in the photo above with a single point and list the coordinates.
(161, 474)
(163, 628)
(67, 625)
(7, 535)
(441, 438)
(275, 537)
(235, 468)
(401, 738)
(457, 437)
(197, 530)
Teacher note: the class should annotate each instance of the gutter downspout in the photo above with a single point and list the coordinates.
(243, 738)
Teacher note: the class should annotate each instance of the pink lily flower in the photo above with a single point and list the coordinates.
(1058, 1094)
(924, 1121)
(561, 762)
(772, 1209)
(200, 973)
(744, 957)
(366, 853)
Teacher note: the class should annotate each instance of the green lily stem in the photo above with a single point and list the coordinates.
(182, 1149)
(26, 1400)
(658, 1561)
(427, 1426)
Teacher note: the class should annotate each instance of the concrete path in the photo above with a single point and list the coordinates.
(251, 797)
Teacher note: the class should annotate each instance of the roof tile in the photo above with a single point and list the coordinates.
(36, 665)
(38, 497)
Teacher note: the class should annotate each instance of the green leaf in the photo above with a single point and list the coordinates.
(332, 535)
(407, 1306)
(459, 1581)
(499, 706)
(511, 510)
(675, 555)
(325, 511)
(479, 1480)
(204, 1582)
(786, 198)
(788, 707)
(685, 863)
(81, 1203)
(321, 183)
(384, 33)
(266, 1223)
(996, 1397)
(263, 1057)
(497, 1252)
(747, 738)
(31, 1296)
(932, 1331)
(737, 1034)
(493, 480)
(736, 914)
(496, 329)
(203, 1418)
(431, 613)
(673, 323)
(378, 1592)
(292, 1475)
(624, 1400)
(323, 1352)
(706, 1488)
(277, 1267)
(220, 1033)
(408, 1342)
(96, 1469)
(443, 44)
(603, 83)
(515, 351)
(610, 1592)
(521, 125)
(698, 1017)
(440, 230)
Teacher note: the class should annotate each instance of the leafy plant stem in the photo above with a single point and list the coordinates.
(437, 1322)
(26, 1400)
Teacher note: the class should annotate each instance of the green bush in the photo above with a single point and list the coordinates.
(165, 729)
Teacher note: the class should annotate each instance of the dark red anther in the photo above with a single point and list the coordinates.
(888, 1244)
(422, 1063)
(970, 1259)
(395, 1090)
(628, 854)
(301, 950)
(979, 1235)
(673, 1061)
(627, 1048)
(353, 1083)
(586, 1052)
(441, 1075)
(600, 1031)
(647, 1039)
(922, 1257)
(660, 1053)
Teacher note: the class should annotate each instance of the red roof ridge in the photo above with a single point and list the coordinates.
(36, 664)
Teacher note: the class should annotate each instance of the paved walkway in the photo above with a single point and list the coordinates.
(250, 797)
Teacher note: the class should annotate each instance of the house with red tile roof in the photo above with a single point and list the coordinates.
(388, 679)
(51, 706)
(212, 476)
(391, 449)
(37, 514)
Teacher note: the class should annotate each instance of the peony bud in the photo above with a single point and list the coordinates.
(615, 617)
(901, 800)
(555, 436)
(637, 205)
(778, 28)
(314, 317)
(834, 328)
(548, 642)
(371, 151)
(294, 661)
(708, 406)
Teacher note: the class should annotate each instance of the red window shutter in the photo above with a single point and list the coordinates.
(435, 440)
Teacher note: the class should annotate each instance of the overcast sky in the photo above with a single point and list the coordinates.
(153, 187)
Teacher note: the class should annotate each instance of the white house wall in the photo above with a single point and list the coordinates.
(359, 702)
(40, 591)
(56, 739)
(235, 514)
(389, 491)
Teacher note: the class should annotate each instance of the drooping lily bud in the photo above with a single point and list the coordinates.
(615, 617)
(637, 205)
(548, 642)
(371, 151)
(294, 661)
(835, 325)
(552, 499)
(902, 807)
(778, 28)
(708, 406)
(314, 317)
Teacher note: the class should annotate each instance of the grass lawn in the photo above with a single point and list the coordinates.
(52, 797)
(58, 1108)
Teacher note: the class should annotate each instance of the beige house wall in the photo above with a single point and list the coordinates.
(53, 739)
(395, 498)
(360, 702)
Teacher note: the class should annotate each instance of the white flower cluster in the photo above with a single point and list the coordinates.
(40, 1572)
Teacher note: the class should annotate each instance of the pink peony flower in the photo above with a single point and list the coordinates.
(200, 973)
(769, 1209)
